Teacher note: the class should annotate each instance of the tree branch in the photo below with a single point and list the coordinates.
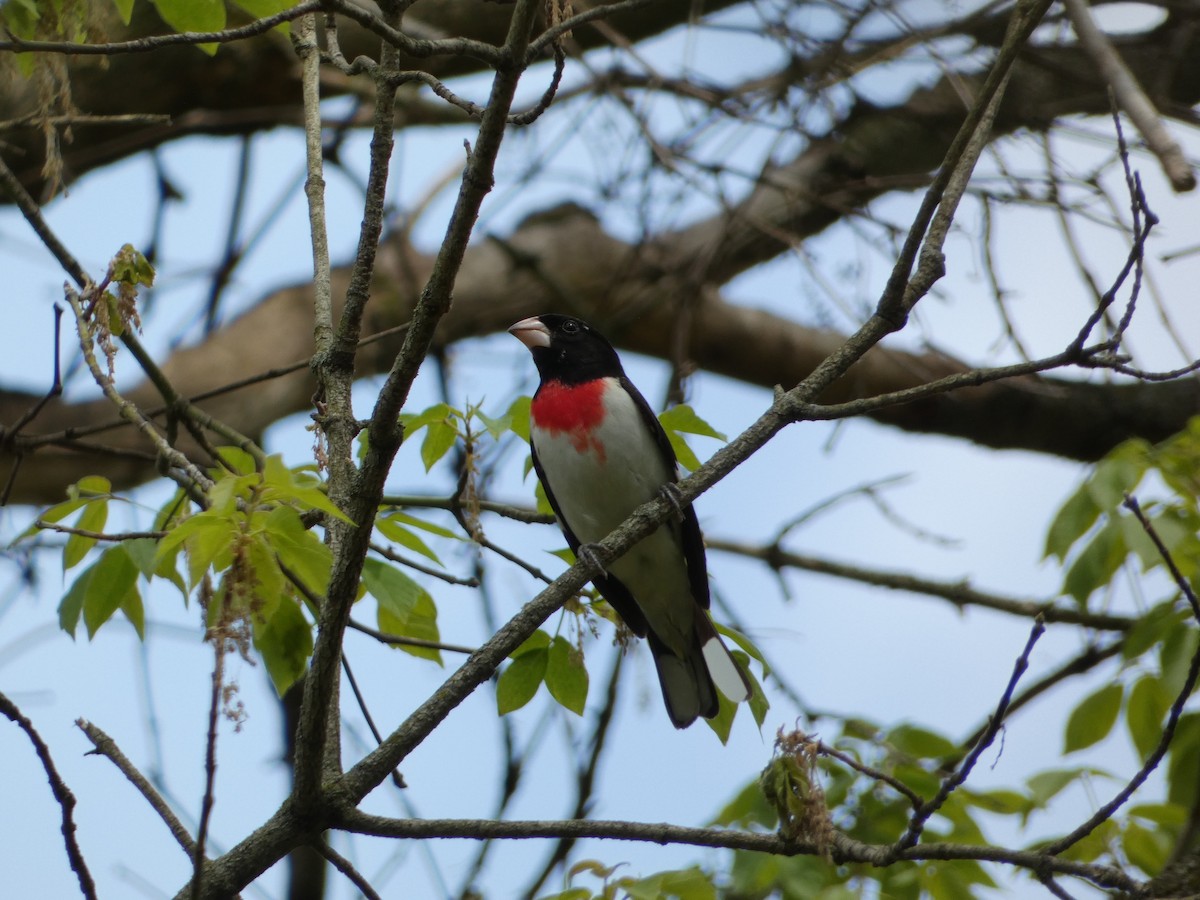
(845, 850)
(959, 594)
(62, 793)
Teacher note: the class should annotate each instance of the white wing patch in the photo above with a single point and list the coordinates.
(724, 671)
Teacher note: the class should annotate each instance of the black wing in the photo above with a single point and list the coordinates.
(693, 540)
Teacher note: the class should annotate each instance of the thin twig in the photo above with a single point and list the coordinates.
(960, 594)
(1084, 662)
(62, 793)
(397, 777)
(105, 746)
(401, 641)
(114, 536)
(154, 42)
(344, 866)
(951, 783)
(896, 784)
(1106, 811)
(390, 554)
(585, 778)
(210, 752)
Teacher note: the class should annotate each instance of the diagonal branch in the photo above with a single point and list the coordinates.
(62, 793)
(107, 747)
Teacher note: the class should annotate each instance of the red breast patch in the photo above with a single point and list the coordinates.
(572, 410)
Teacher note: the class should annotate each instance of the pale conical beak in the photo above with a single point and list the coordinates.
(531, 332)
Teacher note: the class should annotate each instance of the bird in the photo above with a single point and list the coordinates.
(600, 452)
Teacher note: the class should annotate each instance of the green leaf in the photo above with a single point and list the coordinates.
(686, 456)
(93, 518)
(566, 678)
(237, 461)
(1073, 521)
(518, 417)
(424, 525)
(204, 536)
(1167, 815)
(921, 743)
(397, 533)
(143, 552)
(1092, 720)
(113, 577)
(71, 606)
(722, 723)
(268, 583)
(129, 266)
(1118, 473)
(90, 486)
(405, 608)
(304, 490)
(539, 640)
(260, 9)
(684, 884)
(543, 502)
(193, 15)
(748, 807)
(1096, 564)
(495, 427)
(1146, 849)
(1176, 658)
(1183, 775)
(1045, 786)
(1001, 802)
(304, 554)
(439, 438)
(135, 611)
(1095, 845)
(124, 10)
(54, 514)
(285, 642)
(684, 418)
(414, 422)
(746, 644)
(1147, 631)
(1149, 701)
(520, 680)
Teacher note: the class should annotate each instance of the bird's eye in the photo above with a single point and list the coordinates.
(570, 326)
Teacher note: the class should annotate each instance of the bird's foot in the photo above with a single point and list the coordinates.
(590, 556)
(670, 493)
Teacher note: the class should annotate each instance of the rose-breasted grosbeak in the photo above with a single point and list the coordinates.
(600, 452)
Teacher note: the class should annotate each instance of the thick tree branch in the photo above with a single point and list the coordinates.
(845, 850)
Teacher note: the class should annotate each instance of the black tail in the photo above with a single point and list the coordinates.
(687, 682)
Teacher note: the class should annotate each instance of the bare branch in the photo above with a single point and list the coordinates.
(1131, 98)
(344, 866)
(845, 850)
(921, 815)
(960, 594)
(143, 45)
(62, 793)
(1106, 811)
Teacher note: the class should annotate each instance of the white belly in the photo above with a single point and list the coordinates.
(598, 483)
